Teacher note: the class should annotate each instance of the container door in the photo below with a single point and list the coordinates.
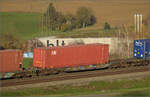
(39, 58)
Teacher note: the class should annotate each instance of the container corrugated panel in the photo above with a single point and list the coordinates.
(69, 56)
(10, 60)
(147, 49)
(141, 48)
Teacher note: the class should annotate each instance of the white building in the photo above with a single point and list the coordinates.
(112, 42)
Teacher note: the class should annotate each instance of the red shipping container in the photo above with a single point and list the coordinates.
(10, 60)
(69, 56)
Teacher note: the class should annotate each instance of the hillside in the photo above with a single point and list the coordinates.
(23, 25)
(115, 12)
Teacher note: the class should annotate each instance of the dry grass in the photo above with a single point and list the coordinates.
(116, 12)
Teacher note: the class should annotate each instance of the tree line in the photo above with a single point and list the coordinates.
(53, 20)
(10, 41)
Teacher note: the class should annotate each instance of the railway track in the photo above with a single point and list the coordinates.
(69, 76)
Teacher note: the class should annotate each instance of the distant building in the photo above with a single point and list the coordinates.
(28, 55)
(52, 41)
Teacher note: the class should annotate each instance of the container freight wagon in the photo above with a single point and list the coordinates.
(141, 49)
(10, 61)
(71, 56)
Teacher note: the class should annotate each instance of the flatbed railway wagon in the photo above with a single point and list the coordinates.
(71, 58)
(10, 61)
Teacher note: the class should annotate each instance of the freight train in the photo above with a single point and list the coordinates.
(53, 60)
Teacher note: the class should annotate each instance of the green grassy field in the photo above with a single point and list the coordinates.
(27, 62)
(78, 33)
(116, 12)
(20, 24)
(27, 26)
(134, 87)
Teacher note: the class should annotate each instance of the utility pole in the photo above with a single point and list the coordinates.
(138, 24)
(0, 31)
(127, 41)
(119, 42)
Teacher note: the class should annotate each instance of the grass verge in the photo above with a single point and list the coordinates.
(141, 92)
(121, 87)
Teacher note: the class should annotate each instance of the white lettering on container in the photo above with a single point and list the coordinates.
(53, 52)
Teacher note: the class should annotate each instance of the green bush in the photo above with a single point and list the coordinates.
(10, 41)
(107, 26)
(27, 62)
